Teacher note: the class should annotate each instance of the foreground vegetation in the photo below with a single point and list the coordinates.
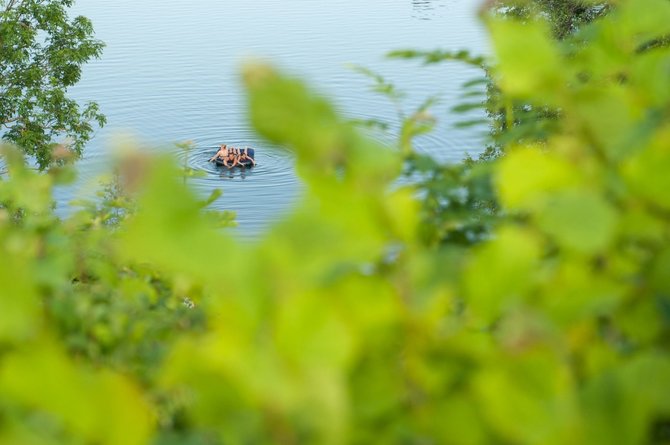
(524, 299)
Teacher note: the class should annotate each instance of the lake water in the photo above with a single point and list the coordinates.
(170, 72)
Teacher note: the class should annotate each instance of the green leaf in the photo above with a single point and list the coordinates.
(578, 220)
(527, 175)
(501, 272)
(67, 392)
(18, 298)
(527, 399)
(646, 172)
(529, 62)
(171, 227)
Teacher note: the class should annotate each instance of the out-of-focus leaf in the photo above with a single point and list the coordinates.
(526, 176)
(18, 298)
(626, 397)
(645, 172)
(535, 71)
(578, 220)
(461, 108)
(532, 387)
(430, 57)
(501, 272)
(216, 194)
(99, 407)
(170, 228)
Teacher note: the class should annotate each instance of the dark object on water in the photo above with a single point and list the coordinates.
(243, 163)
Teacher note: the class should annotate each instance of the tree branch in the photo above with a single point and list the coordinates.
(10, 5)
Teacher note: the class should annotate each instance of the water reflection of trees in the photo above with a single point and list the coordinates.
(426, 9)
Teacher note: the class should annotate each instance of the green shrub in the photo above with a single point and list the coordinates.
(342, 325)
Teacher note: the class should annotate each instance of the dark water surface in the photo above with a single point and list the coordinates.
(170, 72)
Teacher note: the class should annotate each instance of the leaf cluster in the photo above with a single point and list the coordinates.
(42, 51)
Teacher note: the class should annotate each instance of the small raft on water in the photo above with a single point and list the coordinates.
(243, 163)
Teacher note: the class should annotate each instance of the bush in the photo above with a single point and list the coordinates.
(341, 325)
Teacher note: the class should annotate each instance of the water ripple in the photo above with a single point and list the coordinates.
(170, 72)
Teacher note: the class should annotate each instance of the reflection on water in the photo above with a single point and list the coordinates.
(428, 9)
(232, 173)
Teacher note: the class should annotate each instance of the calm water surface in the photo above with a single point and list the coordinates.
(170, 72)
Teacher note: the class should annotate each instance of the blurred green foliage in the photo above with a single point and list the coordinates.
(346, 323)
